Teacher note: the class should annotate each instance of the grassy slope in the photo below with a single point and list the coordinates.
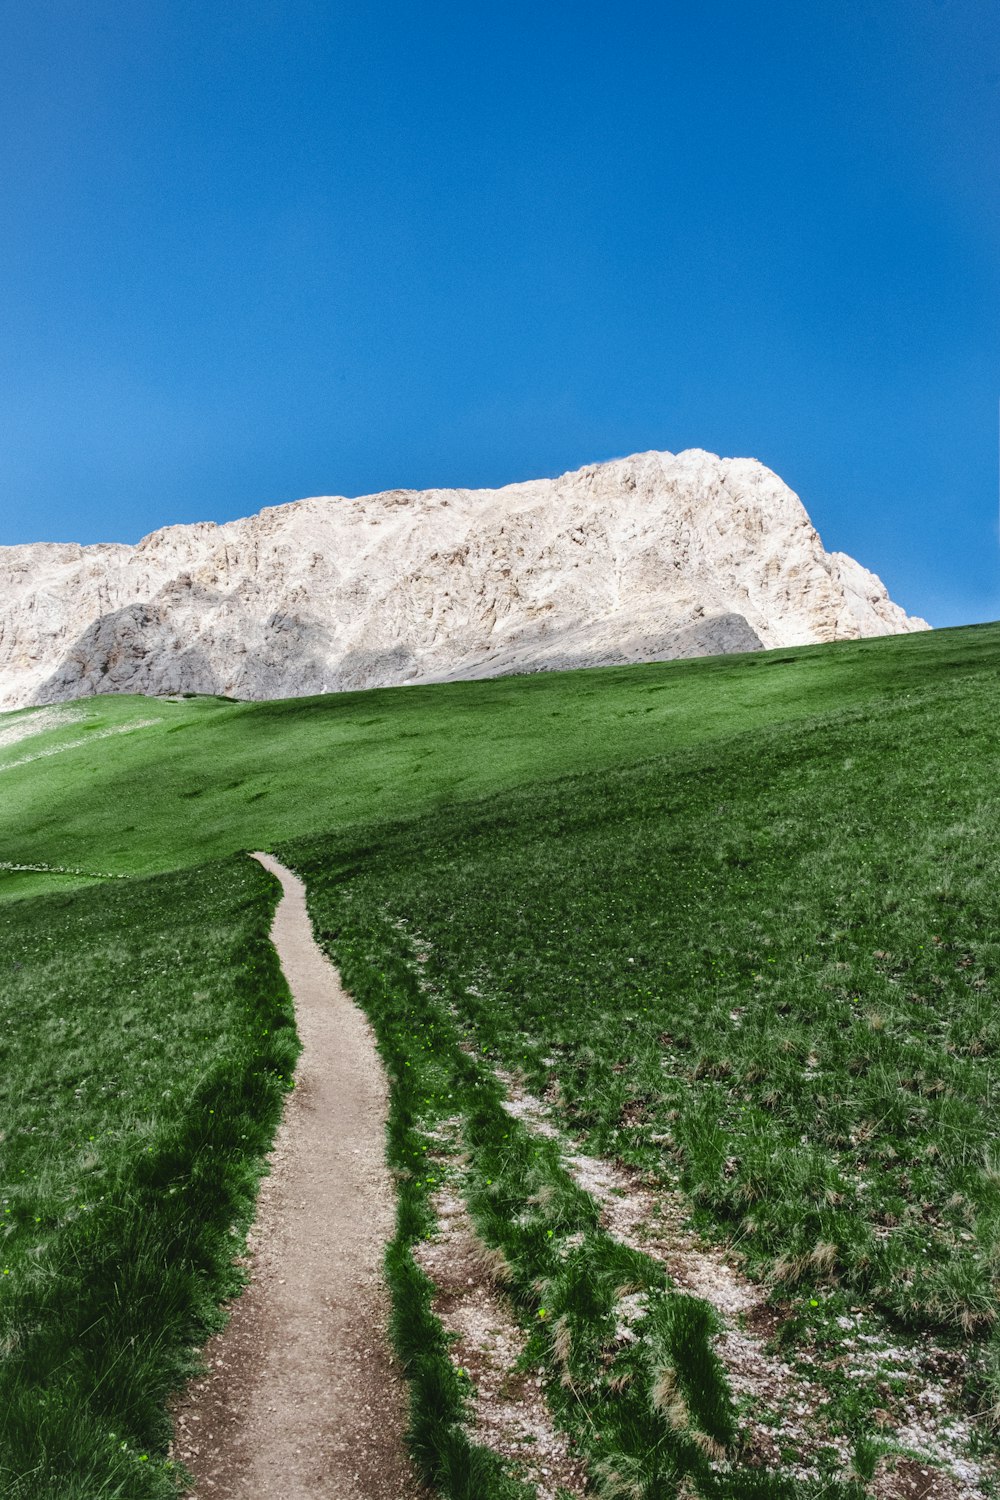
(700, 819)
(145, 1039)
(212, 776)
(779, 956)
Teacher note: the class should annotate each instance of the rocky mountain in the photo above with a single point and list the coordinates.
(654, 556)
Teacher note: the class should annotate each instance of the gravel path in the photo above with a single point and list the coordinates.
(302, 1400)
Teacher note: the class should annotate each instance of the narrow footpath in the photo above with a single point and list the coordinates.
(302, 1399)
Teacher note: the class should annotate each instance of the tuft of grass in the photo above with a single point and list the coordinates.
(689, 1386)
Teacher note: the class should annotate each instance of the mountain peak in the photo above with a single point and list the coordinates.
(651, 556)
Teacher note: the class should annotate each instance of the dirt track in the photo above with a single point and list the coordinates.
(302, 1400)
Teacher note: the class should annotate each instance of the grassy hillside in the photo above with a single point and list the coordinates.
(722, 928)
(209, 776)
(146, 1039)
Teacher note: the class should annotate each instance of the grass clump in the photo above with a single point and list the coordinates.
(689, 1387)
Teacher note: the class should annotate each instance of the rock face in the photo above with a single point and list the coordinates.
(654, 556)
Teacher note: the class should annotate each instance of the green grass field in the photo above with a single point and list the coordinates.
(728, 925)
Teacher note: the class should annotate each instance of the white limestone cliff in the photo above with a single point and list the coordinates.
(648, 557)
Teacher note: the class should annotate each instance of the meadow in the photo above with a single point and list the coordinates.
(720, 934)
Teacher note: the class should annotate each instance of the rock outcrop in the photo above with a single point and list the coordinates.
(642, 558)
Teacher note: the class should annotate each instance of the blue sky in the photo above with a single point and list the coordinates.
(255, 251)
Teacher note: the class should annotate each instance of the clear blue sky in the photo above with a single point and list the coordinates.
(253, 251)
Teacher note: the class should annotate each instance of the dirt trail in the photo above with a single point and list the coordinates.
(302, 1400)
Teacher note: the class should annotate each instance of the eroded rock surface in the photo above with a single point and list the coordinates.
(654, 556)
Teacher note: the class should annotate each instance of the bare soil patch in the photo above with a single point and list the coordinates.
(509, 1411)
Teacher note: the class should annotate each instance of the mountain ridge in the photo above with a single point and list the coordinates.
(652, 556)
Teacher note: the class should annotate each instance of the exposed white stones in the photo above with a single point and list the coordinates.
(926, 1423)
(508, 1408)
(24, 726)
(62, 745)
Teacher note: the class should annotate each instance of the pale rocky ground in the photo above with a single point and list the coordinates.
(649, 557)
